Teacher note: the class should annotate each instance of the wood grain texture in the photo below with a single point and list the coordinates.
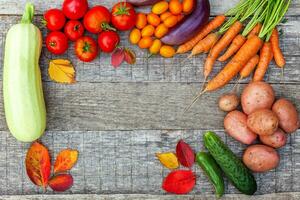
(158, 69)
(218, 6)
(133, 106)
(124, 162)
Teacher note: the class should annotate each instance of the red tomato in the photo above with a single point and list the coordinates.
(123, 16)
(54, 19)
(75, 9)
(74, 30)
(97, 19)
(108, 41)
(86, 49)
(57, 42)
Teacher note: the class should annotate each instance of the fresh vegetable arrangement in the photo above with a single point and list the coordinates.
(169, 24)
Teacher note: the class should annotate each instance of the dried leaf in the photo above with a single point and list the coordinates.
(38, 165)
(169, 160)
(179, 182)
(62, 71)
(130, 56)
(65, 160)
(185, 154)
(117, 57)
(61, 182)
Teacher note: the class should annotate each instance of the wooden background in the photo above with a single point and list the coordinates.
(118, 119)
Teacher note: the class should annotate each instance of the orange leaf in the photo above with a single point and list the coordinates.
(38, 165)
(61, 182)
(62, 71)
(65, 160)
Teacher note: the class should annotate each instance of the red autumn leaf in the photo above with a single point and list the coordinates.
(130, 56)
(38, 165)
(185, 154)
(65, 160)
(179, 182)
(117, 57)
(61, 182)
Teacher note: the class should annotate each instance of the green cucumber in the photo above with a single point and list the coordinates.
(234, 169)
(212, 170)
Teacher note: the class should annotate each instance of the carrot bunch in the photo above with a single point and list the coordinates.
(254, 47)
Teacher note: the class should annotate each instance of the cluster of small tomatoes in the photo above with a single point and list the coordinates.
(75, 17)
(151, 27)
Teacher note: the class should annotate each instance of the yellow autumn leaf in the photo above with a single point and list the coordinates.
(62, 71)
(169, 160)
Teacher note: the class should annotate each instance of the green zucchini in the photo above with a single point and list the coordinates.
(24, 103)
(234, 169)
(212, 170)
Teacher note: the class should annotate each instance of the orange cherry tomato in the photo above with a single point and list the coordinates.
(167, 51)
(148, 31)
(165, 15)
(171, 21)
(141, 20)
(175, 7)
(135, 36)
(188, 6)
(155, 47)
(153, 19)
(160, 7)
(161, 31)
(145, 42)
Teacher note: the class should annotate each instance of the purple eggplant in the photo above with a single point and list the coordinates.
(190, 25)
(142, 2)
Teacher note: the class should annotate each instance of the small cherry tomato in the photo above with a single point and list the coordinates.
(54, 19)
(175, 7)
(108, 41)
(135, 36)
(86, 49)
(161, 31)
(145, 42)
(123, 16)
(153, 19)
(141, 20)
(155, 47)
(97, 19)
(188, 6)
(148, 31)
(165, 15)
(75, 9)
(167, 51)
(74, 30)
(171, 21)
(57, 42)
(160, 7)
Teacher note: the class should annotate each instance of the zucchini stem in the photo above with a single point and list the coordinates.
(28, 14)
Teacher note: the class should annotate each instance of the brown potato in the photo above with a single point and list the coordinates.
(261, 158)
(229, 102)
(287, 114)
(257, 95)
(277, 140)
(235, 124)
(263, 122)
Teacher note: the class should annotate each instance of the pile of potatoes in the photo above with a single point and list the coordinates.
(263, 116)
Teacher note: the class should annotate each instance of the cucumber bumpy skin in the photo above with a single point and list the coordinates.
(234, 169)
(212, 170)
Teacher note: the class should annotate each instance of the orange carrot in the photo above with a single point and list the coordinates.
(278, 56)
(205, 45)
(249, 67)
(241, 58)
(212, 25)
(236, 44)
(220, 45)
(255, 30)
(264, 61)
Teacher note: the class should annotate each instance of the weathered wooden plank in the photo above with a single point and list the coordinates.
(278, 196)
(158, 69)
(130, 106)
(218, 6)
(124, 162)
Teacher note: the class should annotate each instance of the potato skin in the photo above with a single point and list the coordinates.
(277, 140)
(261, 158)
(287, 114)
(235, 124)
(263, 122)
(257, 95)
(229, 102)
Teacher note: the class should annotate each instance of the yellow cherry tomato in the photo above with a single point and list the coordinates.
(155, 47)
(167, 51)
(160, 7)
(153, 19)
(148, 31)
(161, 31)
(135, 36)
(171, 21)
